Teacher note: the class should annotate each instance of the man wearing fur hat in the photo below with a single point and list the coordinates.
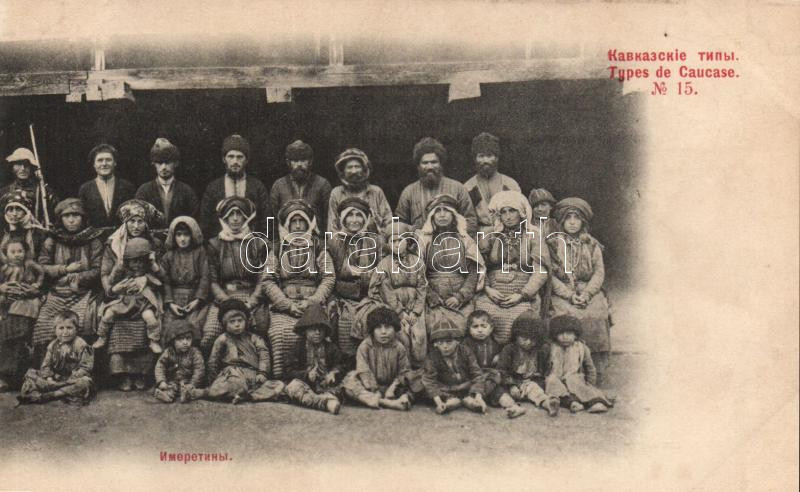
(430, 157)
(25, 167)
(354, 167)
(301, 182)
(235, 156)
(487, 181)
(171, 197)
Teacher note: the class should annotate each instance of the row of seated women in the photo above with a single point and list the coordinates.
(128, 286)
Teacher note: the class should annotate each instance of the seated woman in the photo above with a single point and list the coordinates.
(234, 269)
(515, 256)
(131, 360)
(298, 274)
(71, 259)
(356, 251)
(579, 293)
(451, 263)
(19, 225)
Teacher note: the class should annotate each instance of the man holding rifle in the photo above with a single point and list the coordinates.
(27, 178)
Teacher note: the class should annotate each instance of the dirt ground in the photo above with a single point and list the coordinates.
(137, 423)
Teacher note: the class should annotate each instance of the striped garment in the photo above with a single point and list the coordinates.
(84, 305)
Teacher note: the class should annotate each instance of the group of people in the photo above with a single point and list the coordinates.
(462, 294)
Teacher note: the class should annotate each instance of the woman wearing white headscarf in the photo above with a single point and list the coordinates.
(517, 262)
(298, 274)
(235, 261)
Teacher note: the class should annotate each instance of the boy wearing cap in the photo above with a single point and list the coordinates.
(451, 375)
(180, 370)
(314, 367)
(383, 376)
(301, 182)
(171, 197)
(137, 284)
(572, 374)
(239, 362)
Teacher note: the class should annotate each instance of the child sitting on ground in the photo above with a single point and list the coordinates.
(136, 283)
(20, 282)
(382, 377)
(239, 363)
(522, 364)
(572, 374)
(487, 352)
(315, 364)
(180, 370)
(66, 370)
(451, 375)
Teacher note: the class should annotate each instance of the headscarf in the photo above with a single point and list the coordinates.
(194, 229)
(580, 207)
(127, 211)
(291, 209)
(28, 223)
(225, 207)
(361, 207)
(470, 247)
(513, 199)
(538, 195)
(87, 233)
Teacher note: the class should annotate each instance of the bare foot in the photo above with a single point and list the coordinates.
(575, 407)
(598, 408)
(515, 411)
(333, 406)
(553, 407)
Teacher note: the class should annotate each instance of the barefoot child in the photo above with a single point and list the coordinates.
(180, 370)
(239, 362)
(451, 375)
(381, 376)
(521, 364)
(572, 373)
(66, 370)
(315, 365)
(136, 284)
(487, 352)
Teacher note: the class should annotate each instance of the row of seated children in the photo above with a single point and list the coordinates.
(455, 373)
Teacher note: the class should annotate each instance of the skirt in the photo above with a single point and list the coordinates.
(213, 327)
(347, 310)
(84, 305)
(595, 326)
(182, 296)
(282, 339)
(14, 353)
(502, 318)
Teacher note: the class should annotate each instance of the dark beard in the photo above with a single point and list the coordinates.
(235, 175)
(430, 179)
(487, 170)
(299, 175)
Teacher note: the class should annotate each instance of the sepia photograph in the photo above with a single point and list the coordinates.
(471, 244)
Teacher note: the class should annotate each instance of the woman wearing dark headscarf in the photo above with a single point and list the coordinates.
(235, 260)
(71, 259)
(15, 329)
(298, 274)
(578, 276)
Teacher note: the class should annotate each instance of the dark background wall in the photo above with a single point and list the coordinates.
(575, 138)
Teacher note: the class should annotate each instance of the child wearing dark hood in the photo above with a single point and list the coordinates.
(314, 366)
(239, 364)
(186, 280)
(180, 371)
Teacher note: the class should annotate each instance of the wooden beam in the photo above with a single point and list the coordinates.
(304, 76)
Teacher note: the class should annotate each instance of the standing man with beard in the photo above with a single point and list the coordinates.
(353, 167)
(430, 157)
(236, 182)
(483, 186)
(171, 197)
(26, 180)
(301, 182)
(103, 195)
